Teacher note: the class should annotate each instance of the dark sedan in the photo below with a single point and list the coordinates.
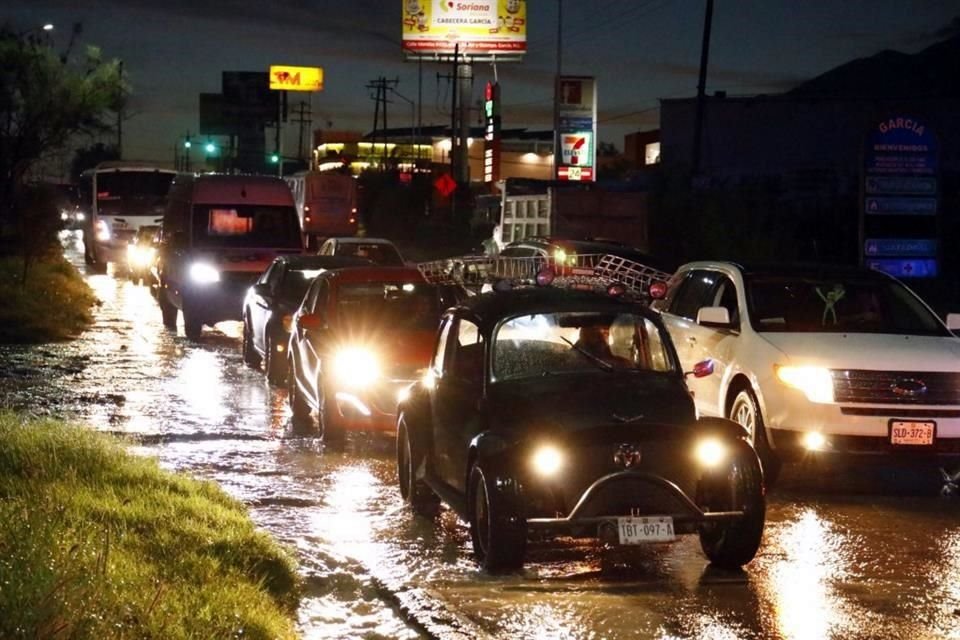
(269, 305)
(566, 413)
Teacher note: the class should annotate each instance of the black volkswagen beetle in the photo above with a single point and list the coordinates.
(566, 413)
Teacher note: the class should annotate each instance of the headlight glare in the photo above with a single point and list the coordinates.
(203, 273)
(103, 231)
(547, 460)
(815, 382)
(710, 452)
(356, 367)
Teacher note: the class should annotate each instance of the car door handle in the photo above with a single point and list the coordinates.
(691, 340)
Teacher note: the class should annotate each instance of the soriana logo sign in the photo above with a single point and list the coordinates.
(284, 78)
(477, 26)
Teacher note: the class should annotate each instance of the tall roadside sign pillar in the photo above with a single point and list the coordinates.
(491, 133)
(441, 31)
(900, 230)
(285, 78)
(576, 157)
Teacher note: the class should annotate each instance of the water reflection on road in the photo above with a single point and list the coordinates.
(836, 564)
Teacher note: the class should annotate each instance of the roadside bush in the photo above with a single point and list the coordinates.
(54, 303)
(96, 542)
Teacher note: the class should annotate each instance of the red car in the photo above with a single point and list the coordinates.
(359, 338)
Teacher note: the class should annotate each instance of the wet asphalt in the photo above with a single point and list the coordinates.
(848, 552)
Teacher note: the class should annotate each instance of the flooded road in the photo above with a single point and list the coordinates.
(858, 561)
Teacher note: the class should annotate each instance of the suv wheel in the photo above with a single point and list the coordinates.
(745, 410)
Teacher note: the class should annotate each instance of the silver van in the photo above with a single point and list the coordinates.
(219, 233)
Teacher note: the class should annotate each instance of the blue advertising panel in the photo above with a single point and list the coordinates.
(900, 206)
(901, 146)
(912, 247)
(905, 267)
(907, 185)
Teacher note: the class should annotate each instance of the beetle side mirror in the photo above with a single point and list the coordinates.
(702, 369)
(715, 317)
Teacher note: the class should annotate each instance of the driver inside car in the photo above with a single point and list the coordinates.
(594, 339)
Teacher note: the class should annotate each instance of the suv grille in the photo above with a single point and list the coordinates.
(896, 387)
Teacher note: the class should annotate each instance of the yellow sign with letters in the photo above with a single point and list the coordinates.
(284, 78)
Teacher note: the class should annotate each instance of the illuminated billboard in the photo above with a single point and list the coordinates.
(480, 27)
(284, 78)
(577, 127)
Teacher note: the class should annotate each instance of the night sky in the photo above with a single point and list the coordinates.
(639, 50)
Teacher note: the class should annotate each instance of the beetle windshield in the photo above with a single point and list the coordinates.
(549, 343)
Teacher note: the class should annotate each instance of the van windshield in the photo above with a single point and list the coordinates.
(246, 226)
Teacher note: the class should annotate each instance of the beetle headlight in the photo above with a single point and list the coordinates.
(356, 367)
(815, 382)
(547, 460)
(203, 273)
(710, 452)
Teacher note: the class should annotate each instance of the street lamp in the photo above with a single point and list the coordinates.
(48, 27)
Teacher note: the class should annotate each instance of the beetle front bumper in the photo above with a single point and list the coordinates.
(631, 494)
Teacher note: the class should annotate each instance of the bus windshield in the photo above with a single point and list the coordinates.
(132, 192)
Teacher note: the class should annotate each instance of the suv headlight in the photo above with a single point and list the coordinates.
(815, 382)
(203, 273)
(356, 367)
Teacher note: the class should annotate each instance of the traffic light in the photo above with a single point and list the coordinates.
(210, 148)
(187, 144)
(274, 158)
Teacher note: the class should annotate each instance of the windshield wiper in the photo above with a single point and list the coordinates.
(600, 362)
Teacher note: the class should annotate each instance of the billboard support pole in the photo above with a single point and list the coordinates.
(465, 79)
(556, 93)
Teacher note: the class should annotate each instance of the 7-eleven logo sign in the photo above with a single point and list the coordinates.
(576, 149)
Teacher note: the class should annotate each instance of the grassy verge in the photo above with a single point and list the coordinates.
(99, 543)
(54, 305)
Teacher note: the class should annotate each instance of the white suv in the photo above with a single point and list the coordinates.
(826, 359)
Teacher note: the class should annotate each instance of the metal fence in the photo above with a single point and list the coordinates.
(582, 271)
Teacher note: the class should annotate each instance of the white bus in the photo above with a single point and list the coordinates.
(326, 204)
(119, 198)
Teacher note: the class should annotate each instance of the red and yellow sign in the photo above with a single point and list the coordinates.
(284, 78)
(479, 27)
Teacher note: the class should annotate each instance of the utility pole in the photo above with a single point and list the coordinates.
(381, 85)
(120, 110)
(701, 88)
(304, 117)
